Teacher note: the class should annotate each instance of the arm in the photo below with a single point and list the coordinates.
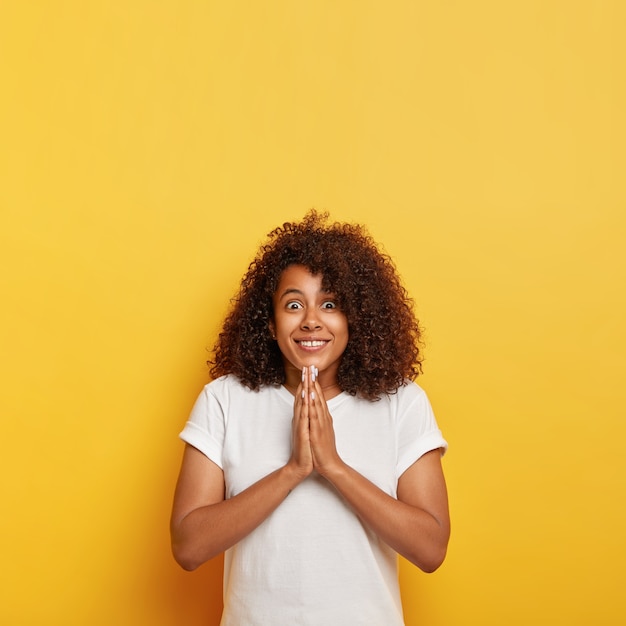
(417, 523)
(204, 523)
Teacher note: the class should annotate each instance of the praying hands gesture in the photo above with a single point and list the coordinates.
(313, 433)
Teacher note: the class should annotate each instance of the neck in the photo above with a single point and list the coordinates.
(327, 381)
(292, 386)
(329, 391)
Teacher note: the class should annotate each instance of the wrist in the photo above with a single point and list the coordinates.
(294, 474)
(334, 472)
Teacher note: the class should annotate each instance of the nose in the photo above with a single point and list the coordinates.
(310, 322)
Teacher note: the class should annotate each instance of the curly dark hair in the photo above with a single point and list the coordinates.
(384, 342)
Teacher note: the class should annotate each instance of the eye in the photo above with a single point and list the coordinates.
(329, 304)
(293, 306)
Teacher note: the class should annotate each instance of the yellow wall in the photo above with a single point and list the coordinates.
(147, 147)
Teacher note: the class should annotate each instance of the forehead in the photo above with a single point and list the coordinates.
(298, 278)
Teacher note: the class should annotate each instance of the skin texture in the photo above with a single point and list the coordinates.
(204, 523)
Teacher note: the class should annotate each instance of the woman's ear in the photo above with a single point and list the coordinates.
(272, 329)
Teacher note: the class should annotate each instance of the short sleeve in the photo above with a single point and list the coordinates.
(418, 432)
(206, 426)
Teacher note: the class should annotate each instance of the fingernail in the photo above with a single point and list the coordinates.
(312, 395)
(303, 394)
(313, 373)
(303, 373)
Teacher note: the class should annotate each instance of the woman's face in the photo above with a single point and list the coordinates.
(308, 325)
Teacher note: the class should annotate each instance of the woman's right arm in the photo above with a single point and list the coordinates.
(204, 523)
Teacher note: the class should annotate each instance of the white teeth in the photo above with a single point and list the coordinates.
(312, 344)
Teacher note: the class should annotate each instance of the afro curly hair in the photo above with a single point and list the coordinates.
(383, 350)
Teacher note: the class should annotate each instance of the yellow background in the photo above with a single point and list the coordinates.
(148, 146)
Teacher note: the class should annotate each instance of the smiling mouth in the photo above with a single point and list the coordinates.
(312, 344)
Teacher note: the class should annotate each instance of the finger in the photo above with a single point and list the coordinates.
(314, 388)
(298, 399)
(314, 392)
(305, 384)
(318, 399)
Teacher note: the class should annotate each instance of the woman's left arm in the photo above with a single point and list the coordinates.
(416, 524)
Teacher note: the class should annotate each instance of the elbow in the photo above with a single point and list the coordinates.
(190, 556)
(432, 564)
(185, 559)
(431, 561)
(188, 566)
(435, 559)
(184, 550)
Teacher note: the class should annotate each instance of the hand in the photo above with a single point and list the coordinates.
(321, 429)
(301, 455)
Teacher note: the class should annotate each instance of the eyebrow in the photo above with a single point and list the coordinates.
(291, 290)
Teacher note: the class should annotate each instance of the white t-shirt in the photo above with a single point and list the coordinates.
(312, 561)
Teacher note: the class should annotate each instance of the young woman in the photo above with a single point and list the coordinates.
(312, 458)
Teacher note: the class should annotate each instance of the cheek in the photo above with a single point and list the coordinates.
(283, 327)
(342, 332)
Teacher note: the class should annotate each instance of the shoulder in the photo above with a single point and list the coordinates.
(218, 397)
(410, 403)
(227, 384)
(407, 400)
(228, 381)
(229, 388)
(408, 393)
(411, 389)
